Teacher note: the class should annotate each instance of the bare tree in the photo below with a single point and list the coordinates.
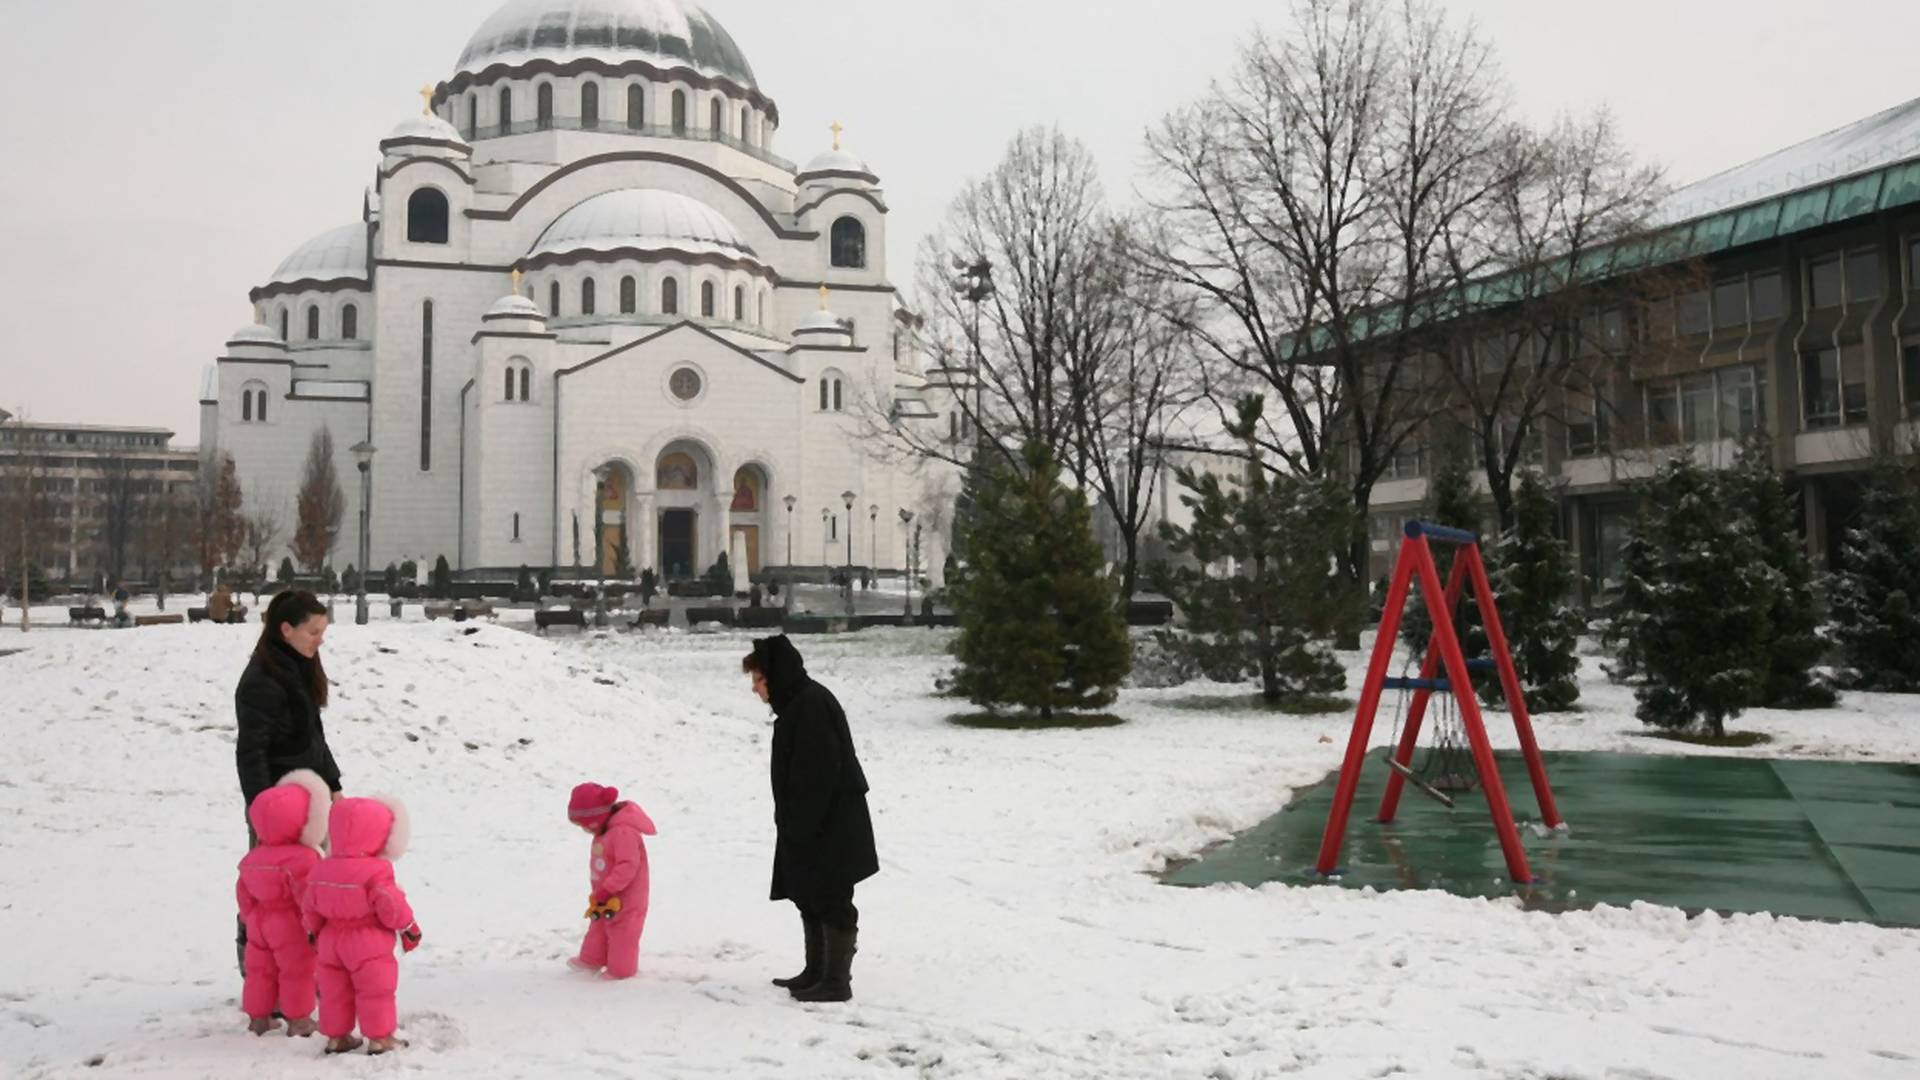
(27, 514)
(1306, 200)
(120, 512)
(218, 529)
(321, 505)
(265, 532)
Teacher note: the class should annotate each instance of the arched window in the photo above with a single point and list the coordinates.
(837, 405)
(832, 394)
(313, 322)
(636, 107)
(516, 526)
(543, 106)
(590, 106)
(714, 119)
(746, 490)
(739, 303)
(824, 394)
(586, 297)
(763, 307)
(670, 297)
(518, 383)
(350, 322)
(850, 243)
(553, 300)
(260, 405)
(679, 111)
(253, 403)
(706, 299)
(744, 137)
(506, 110)
(283, 324)
(473, 115)
(427, 217)
(507, 392)
(526, 383)
(627, 298)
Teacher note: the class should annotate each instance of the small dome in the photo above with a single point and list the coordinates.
(668, 32)
(513, 306)
(332, 256)
(254, 334)
(641, 219)
(423, 126)
(820, 322)
(837, 163)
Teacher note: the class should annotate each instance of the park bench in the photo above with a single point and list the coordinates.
(80, 615)
(649, 617)
(235, 614)
(475, 610)
(438, 611)
(722, 615)
(547, 617)
(159, 620)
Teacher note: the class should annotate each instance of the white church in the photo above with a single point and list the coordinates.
(582, 283)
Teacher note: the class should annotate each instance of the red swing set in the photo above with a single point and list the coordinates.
(1443, 649)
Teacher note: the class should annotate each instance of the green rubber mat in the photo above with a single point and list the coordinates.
(1815, 839)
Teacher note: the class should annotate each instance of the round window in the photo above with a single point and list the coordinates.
(685, 384)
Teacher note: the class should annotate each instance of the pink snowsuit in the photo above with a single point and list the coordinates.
(273, 878)
(357, 911)
(618, 867)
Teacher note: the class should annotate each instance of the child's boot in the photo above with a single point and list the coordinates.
(381, 1046)
(260, 1025)
(300, 1028)
(344, 1044)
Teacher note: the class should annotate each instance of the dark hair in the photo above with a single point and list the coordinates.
(291, 608)
(751, 663)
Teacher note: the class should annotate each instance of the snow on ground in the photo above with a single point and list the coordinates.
(1014, 931)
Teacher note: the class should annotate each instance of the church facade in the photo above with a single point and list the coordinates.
(583, 290)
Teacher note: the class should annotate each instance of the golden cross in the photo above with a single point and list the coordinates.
(823, 298)
(837, 129)
(516, 281)
(426, 100)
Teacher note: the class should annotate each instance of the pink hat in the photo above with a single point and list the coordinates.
(591, 801)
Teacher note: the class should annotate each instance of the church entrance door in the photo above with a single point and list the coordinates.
(677, 553)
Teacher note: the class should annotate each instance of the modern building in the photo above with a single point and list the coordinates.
(582, 287)
(1804, 319)
(102, 499)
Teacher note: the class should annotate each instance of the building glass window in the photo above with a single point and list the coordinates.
(1833, 387)
(1586, 427)
(1690, 313)
(1724, 404)
(824, 392)
(1823, 283)
(1769, 301)
(283, 324)
(1408, 461)
(628, 295)
(714, 120)
(516, 527)
(670, 297)
(636, 107)
(586, 297)
(706, 299)
(246, 406)
(679, 111)
(313, 322)
(350, 322)
(837, 404)
(508, 392)
(526, 383)
(427, 217)
(744, 125)
(739, 304)
(1741, 396)
(1730, 304)
(849, 243)
(543, 106)
(590, 106)
(473, 115)
(1863, 276)
(506, 109)
(553, 300)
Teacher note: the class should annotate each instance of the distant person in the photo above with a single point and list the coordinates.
(620, 881)
(823, 832)
(220, 605)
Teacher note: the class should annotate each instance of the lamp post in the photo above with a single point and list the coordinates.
(789, 500)
(848, 497)
(599, 548)
(906, 521)
(873, 543)
(363, 459)
(975, 284)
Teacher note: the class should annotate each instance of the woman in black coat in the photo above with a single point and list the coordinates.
(824, 834)
(278, 704)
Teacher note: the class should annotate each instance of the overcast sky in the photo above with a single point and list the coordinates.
(161, 158)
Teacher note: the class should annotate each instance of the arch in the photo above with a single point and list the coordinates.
(749, 489)
(313, 322)
(506, 391)
(427, 216)
(506, 110)
(740, 303)
(283, 322)
(748, 200)
(716, 118)
(590, 106)
(706, 300)
(669, 297)
(586, 297)
(610, 507)
(543, 106)
(553, 299)
(350, 322)
(679, 111)
(636, 107)
(629, 298)
(849, 244)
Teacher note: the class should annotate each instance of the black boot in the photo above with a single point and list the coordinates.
(836, 979)
(815, 946)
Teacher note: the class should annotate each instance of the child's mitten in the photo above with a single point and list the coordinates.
(410, 937)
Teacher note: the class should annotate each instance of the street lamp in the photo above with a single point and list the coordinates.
(906, 521)
(363, 459)
(599, 547)
(873, 542)
(789, 500)
(848, 497)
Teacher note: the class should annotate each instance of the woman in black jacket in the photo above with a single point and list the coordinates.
(278, 703)
(824, 833)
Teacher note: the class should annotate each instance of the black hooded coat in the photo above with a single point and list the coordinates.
(824, 832)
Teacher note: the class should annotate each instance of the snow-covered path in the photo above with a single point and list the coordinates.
(1014, 931)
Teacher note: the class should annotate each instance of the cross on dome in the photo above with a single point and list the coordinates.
(836, 128)
(426, 100)
(823, 298)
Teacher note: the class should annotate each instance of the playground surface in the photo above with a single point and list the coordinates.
(1815, 839)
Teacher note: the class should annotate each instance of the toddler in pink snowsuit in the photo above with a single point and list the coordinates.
(290, 821)
(356, 911)
(617, 867)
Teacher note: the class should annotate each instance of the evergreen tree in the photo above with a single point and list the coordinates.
(391, 585)
(1876, 597)
(1450, 502)
(1273, 615)
(1702, 641)
(1756, 490)
(720, 576)
(623, 560)
(1532, 575)
(285, 577)
(1040, 622)
(440, 581)
(350, 580)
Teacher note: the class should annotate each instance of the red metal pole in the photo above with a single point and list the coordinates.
(1470, 714)
(1417, 713)
(1331, 840)
(1510, 684)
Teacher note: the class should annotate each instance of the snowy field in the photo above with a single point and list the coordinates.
(1015, 929)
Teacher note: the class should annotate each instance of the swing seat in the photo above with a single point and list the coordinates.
(1438, 686)
(1424, 788)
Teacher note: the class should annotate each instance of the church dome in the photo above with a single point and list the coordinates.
(643, 220)
(837, 163)
(331, 256)
(513, 306)
(253, 334)
(667, 32)
(425, 126)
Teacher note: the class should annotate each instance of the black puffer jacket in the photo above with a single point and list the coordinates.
(825, 834)
(280, 728)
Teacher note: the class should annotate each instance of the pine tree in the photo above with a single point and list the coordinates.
(623, 560)
(1876, 597)
(1629, 609)
(1703, 641)
(440, 580)
(1273, 615)
(285, 577)
(1755, 489)
(1040, 622)
(1532, 575)
(321, 505)
(1450, 502)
